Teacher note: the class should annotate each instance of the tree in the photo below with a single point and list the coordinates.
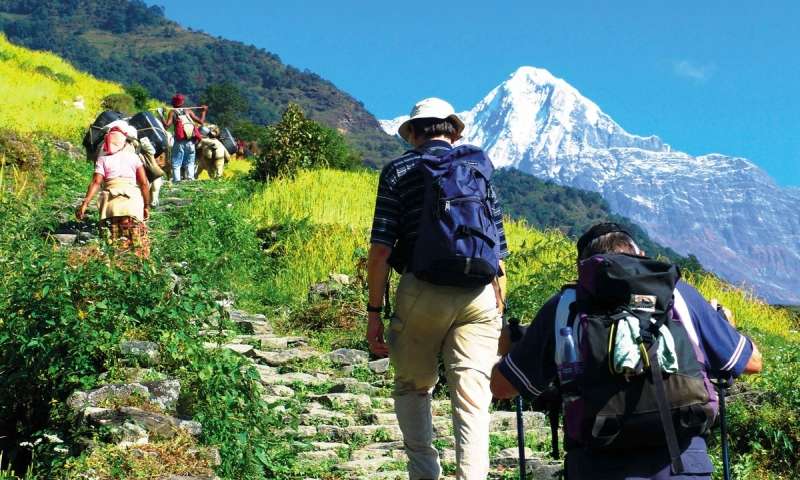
(140, 95)
(226, 104)
(297, 143)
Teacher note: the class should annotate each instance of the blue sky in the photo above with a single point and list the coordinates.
(706, 76)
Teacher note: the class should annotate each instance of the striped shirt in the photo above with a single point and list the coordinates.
(398, 206)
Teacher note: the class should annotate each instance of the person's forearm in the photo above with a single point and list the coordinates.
(94, 187)
(377, 272)
(145, 188)
(755, 363)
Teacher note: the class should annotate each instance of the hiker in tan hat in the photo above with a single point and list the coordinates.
(437, 223)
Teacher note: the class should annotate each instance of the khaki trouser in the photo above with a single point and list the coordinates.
(464, 326)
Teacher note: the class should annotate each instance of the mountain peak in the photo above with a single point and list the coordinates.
(540, 76)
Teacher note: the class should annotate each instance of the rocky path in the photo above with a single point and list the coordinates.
(347, 419)
(338, 405)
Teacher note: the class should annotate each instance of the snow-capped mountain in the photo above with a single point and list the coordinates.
(725, 210)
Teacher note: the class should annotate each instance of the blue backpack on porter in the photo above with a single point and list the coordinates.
(458, 242)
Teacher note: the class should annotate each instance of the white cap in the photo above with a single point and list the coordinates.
(431, 108)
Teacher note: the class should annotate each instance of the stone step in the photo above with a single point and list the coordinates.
(502, 420)
(348, 356)
(252, 324)
(328, 445)
(285, 357)
(345, 401)
(346, 434)
(364, 467)
(318, 416)
(157, 425)
(351, 385)
(536, 465)
(292, 377)
(318, 456)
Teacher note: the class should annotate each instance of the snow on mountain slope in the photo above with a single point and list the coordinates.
(725, 210)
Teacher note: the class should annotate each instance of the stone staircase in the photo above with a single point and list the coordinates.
(349, 424)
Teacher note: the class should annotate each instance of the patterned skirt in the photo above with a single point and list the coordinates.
(127, 234)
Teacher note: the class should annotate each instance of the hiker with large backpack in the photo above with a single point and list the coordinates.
(121, 179)
(187, 133)
(630, 349)
(438, 224)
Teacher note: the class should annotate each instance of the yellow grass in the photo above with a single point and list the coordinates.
(337, 207)
(36, 102)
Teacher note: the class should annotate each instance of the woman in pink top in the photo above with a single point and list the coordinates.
(120, 177)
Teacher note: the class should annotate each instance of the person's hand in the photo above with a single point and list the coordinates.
(377, 344)
(146, 212)
(205, 108)
(80, 213)
(498, 295)
(504, 343)
(728, 314)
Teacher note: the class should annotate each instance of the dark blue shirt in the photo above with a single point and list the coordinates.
(531, 367)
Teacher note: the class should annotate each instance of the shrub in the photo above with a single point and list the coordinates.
(297, 143)
(120, 102)
(140, 95)
(19, 150)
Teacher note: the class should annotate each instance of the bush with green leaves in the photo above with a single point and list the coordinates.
(140, 95)
(19, 150)
(120, 102)
(297, 143)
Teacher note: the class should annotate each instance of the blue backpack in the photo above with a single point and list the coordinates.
(458, 242)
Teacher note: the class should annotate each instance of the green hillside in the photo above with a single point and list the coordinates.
(133, 43)
(67, 308)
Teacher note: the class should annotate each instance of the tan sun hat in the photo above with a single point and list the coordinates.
(431, 108)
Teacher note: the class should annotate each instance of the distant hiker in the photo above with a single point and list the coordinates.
(186, 134)
(442, 230)
(627, 317)
(120, 177)
(213, 154)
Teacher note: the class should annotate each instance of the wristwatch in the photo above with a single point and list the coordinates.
(372, 309)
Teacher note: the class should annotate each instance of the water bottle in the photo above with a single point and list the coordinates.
(570, 367)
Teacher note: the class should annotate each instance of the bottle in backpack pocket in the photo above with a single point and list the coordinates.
(570, 366)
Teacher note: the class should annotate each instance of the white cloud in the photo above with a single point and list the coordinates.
(693, 71)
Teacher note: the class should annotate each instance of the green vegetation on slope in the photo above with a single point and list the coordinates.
(134, 43)
(38, 91)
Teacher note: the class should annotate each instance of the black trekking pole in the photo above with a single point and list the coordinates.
(515, 333)
(553, 413)
(723, 384)
(722, 390)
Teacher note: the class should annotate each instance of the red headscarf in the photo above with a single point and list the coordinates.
(107, 143)
(177, 100)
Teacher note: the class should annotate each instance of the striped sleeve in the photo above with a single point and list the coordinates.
(726, 350)
(497, 215)
(388, 210)
(531, 365)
